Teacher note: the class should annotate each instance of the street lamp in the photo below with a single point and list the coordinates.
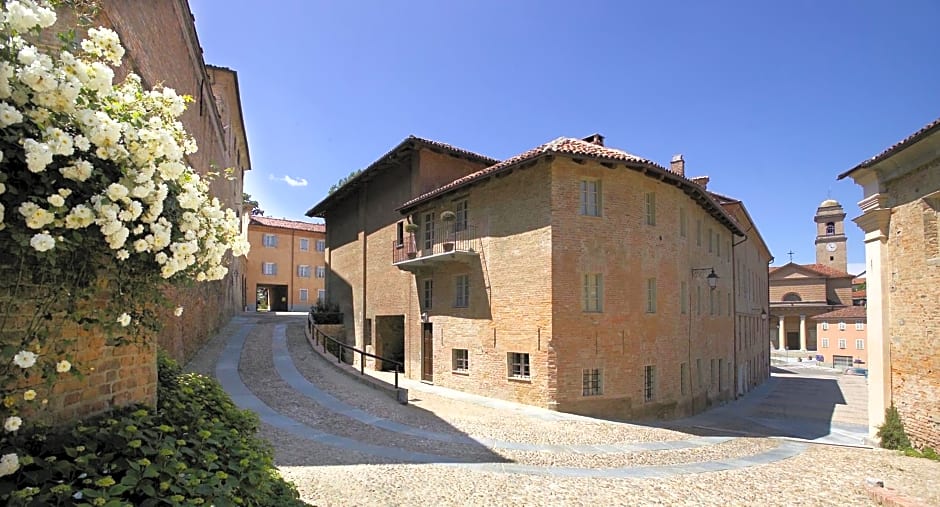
(712, 278)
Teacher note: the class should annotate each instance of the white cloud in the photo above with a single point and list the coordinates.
(300, 182)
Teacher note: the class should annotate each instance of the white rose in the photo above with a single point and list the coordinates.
(63, 366)
(9, 463)
(178, 311)
(124, 320)
(42, 242)
(56, 200)
(12, 423)
(24, 359)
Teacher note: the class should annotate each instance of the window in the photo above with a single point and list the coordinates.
(825, 343)
(698, 371)
(303, 271)
(304, 245)
(462, 291)
(859, 344)
(461, 361)
(321, 296)
(269, 268)
(651, 208)
(518, 365)
(591, 382)
(427, 295)
(591, 198)
(718, 244)
(462, 210)
(683, 297)
(683, 222)
(729, 304)
(650, 295)
(859, 326)
(321, 245)
(714, 372)
(321, 271)
(698, 233)
(721, 374)
(304, 294)
(711, 240)
(400, 233)
(825, 325)
(711, 302)
(792, 296)
(841, 325)
(718, 297)
(428, 224)
(269, 240)
(593, 287)
(698, 299)
(830, 228)
(841, 343)
(684, 378)
(649, 383)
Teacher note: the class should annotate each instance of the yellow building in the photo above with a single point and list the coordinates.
(286, 268)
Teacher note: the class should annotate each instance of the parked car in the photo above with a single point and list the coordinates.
(861, 372)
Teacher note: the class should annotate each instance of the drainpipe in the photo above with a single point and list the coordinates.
(290, 286)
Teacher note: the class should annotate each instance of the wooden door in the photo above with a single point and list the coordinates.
(427, 352)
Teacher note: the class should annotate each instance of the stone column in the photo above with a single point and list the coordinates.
(781, 335)
(802, 332)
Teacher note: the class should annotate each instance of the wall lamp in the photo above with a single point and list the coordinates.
(712, 278)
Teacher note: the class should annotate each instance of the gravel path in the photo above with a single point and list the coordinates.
(328, 475)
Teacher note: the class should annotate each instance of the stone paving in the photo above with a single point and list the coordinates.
(343, 443)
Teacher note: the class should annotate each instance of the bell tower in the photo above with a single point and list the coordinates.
(830, 235)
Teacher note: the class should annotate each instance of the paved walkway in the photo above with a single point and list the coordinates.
(344, 443)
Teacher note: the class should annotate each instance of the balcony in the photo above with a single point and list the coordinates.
(442, 244)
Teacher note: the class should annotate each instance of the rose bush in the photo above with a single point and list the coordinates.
(99, 209)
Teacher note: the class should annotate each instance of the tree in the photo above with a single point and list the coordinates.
(255, 207)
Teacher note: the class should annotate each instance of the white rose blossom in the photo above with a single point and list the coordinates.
(63, 366)
(12, 423)
(9, 463)
(124, 320)
(24, 359)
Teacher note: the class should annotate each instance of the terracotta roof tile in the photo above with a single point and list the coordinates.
(566, 145)
(898, 146)
(859, 294)
(283, 223)
(821, 269)
(849, 312)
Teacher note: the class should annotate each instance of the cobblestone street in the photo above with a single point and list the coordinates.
(343, 443)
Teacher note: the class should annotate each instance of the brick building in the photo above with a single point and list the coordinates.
(901, 220)
(572, 276)
(800, 292)
(162, 48)
(286, 266)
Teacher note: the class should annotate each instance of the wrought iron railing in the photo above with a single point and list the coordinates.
(338, 349)
(446, 237)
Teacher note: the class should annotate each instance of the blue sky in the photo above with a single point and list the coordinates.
(772, 100)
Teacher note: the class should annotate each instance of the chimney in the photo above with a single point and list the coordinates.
(677, 165)
(595, 139)
(701, 181)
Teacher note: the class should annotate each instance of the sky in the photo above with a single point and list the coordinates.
(771, 100)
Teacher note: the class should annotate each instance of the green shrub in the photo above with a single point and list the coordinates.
(197, 448)
(892, 433)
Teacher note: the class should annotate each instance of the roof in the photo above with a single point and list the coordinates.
(283, 223)
(858, 294)
(409, 143)
(896, 147)
(849, 312)
(820, 269)
(579, 148)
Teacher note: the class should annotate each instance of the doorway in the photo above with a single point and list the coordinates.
(271, 298)
(793, 340)
(427, 352)
(389, 340)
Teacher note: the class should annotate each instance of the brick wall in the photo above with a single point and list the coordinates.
(623, 339)
(912, 290)
(163, 49)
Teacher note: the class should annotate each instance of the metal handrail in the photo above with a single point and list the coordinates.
(341, 348)
(444, 238)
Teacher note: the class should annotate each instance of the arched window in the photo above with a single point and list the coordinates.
(830, 228)
(792, 296)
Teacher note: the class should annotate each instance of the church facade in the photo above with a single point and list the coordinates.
(801, 292)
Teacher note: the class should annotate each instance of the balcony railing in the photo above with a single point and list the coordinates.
(445, 242)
